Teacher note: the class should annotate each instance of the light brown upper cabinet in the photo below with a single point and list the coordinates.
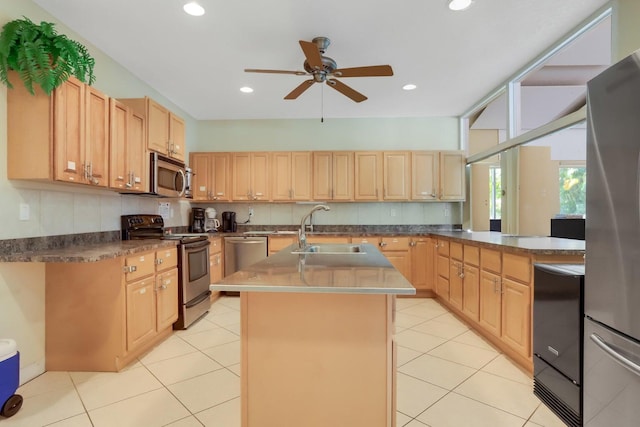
(397, 175)
(61, 137)
(127, 166)
(437, 175)
(333, 175)
(165, 130)
(424, 175)
(452, 164)
(212, 176)
(291, 175)
(368, 175)
(250, 176)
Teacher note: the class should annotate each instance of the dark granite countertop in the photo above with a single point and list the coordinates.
(87, 253)
(539, 245)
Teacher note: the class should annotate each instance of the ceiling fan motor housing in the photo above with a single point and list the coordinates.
(328, 67)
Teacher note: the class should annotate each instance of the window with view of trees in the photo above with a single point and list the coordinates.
(495, 193)
(573, 183)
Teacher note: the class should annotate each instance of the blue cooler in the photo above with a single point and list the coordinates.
(10, 402)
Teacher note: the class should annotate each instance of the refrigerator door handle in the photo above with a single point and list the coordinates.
(614, 354)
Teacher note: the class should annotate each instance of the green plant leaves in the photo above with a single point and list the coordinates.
(41, 56)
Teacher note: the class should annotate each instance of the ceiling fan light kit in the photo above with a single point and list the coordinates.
(323, 69)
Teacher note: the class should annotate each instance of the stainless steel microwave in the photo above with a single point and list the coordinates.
(168, 178)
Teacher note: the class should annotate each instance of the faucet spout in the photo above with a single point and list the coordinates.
(302, 234)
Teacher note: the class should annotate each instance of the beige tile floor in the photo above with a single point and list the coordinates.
(448, 376)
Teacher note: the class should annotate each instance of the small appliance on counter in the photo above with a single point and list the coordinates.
(211, 223)
(229, 224)
(197, 220)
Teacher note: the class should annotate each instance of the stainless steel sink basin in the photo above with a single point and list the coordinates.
(331, 249)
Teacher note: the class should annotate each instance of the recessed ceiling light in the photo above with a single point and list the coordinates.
(459, 4)
(193, 9)
(246, 89)
(410, 86)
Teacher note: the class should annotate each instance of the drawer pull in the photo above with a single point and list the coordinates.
(130, 268)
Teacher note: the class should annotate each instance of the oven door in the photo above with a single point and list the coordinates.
(167, 176)
(195, 269)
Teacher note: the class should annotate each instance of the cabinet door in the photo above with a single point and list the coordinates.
(167, 298)
(157, 127)
(137, 158)
(96, 138)
(69, 131)
(424, 175)
(322, 175)
(490, 302)
(368, 175)
(242, 176)
(281, 176)
(220, 177)
(176, 137)
(397, 176)
(401, 260)
(215, 267)
(342, 176)
(471, 292)
(421, 268)
(452, 165)
(260, 176)
(455, 284)
(516, 316)
(118, 169)
(141, 312)
(277, 243)
(301, 174)
(442, 287)
(201, 167)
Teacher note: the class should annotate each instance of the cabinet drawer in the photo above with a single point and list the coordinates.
(327, 239)
(455, 250)
(472, 255)
(517, 267)
(166, 258)
(139, 265)
(215, 245)
(278, 243)
(371, 240)
(491, 260)
(443, 247)
(394, 243)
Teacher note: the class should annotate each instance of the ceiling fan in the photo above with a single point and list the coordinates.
(325, 69)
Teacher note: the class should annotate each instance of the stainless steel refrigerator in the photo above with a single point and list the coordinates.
(612, 266)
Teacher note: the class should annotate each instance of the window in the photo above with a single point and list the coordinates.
(495, 193)
(573, 183)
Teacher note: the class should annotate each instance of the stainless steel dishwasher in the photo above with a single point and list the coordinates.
(240, 252)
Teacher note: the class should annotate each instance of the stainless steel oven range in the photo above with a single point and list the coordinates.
(193, 264)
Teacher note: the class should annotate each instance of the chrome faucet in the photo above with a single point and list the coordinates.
(302, 233)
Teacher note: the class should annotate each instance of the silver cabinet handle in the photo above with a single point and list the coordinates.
(613, 352)
(130, 268)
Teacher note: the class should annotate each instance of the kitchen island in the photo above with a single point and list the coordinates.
(317, 343)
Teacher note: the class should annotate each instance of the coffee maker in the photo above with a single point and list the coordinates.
(211, 223)
(197, 220)
(229, 224)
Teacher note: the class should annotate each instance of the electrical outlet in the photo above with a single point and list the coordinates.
(24, 212)
(446, 212)
(392, 212)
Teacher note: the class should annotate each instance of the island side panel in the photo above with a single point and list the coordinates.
(317, 360)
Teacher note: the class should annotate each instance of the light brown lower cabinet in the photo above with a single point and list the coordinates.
(422, 265)
(216, 265)
(102, 315)
(397, 251)
(490, 302)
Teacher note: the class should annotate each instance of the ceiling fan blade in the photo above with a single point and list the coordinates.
(372, 71)
(312, 53)
(254, 70)
(346, 90)
(300, 89)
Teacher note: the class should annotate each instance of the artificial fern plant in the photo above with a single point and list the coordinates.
(41, 56)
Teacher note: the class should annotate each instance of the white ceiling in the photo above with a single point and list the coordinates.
(455, 58)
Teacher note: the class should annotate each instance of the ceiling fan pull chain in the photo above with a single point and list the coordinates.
(321, 103)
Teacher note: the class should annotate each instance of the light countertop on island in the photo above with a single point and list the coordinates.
(353, 273)
(540, 245)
